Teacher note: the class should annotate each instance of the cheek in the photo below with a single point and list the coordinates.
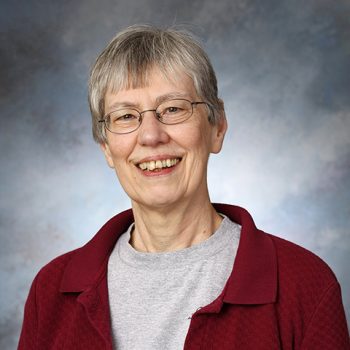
(120, 148)
(195, 132)
(200, 139)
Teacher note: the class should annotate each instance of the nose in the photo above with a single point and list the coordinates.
(151, 132)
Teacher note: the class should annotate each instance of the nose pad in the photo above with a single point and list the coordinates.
(151, 131)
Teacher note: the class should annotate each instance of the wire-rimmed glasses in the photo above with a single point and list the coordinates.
(126, 120)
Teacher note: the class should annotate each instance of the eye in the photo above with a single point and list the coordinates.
(125, 118)
(172, 110)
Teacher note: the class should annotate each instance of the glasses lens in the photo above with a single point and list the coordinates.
(123, 121)
(174, 111)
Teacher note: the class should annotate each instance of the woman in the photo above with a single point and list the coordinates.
(175, 271)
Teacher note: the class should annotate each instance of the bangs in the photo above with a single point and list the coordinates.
(125, 77)
(133, 76)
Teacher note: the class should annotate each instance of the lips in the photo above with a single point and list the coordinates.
(156, 165)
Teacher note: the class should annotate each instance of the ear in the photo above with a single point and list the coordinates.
(219, 131)
(107, 152)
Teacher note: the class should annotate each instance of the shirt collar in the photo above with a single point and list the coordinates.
(253, 279)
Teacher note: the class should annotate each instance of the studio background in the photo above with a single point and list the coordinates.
(284, 73)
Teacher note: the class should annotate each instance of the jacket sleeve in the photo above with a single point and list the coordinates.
(28, 337)
(327, 329)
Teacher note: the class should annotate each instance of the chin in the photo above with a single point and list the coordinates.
(157, 203)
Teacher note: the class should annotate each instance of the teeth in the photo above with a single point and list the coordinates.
(159, 164)
(152, 165)
(143, 166)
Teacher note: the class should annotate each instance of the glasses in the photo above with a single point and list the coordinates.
(127, 120)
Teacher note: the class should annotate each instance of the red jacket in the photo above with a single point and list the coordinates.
(279, 296)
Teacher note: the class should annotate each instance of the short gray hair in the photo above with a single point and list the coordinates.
(133, 52)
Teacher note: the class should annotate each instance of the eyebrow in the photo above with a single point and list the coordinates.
(171, 95)
(159, 100)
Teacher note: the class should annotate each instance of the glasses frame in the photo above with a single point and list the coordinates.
(157, 115)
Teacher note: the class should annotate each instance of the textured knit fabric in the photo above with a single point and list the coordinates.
(279, 296)
(152, 296)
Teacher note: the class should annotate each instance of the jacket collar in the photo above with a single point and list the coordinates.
(253, 279)
(254, 276)
(89, 262)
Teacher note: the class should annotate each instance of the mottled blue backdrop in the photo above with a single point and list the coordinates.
(284, 74)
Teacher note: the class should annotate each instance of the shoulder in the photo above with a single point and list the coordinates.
(297, 262)
(44, 298)
(304, 279)
(50, 275)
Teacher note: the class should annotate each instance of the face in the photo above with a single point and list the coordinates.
(163, 165)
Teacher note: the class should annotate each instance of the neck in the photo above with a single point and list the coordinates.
(164, 229)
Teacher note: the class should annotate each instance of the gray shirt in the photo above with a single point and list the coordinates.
(153, 295)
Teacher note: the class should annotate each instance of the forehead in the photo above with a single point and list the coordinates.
(156, 87)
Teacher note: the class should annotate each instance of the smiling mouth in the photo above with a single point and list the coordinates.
(158, 165)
